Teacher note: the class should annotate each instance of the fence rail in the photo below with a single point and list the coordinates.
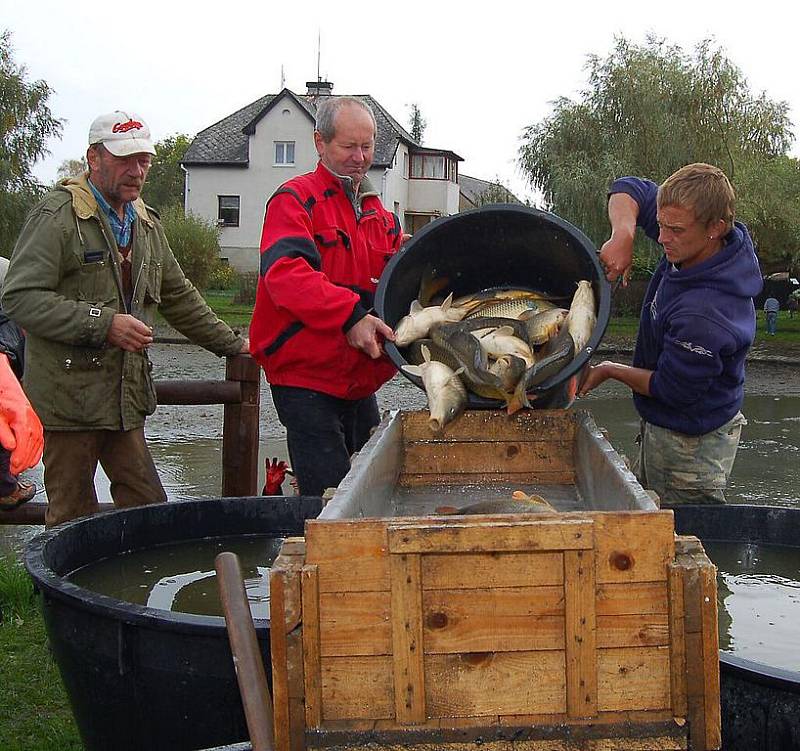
(240, 393)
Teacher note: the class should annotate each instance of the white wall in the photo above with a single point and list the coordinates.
(253, 184)
(433, 195)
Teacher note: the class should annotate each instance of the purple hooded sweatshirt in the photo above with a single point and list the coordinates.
(695, 328)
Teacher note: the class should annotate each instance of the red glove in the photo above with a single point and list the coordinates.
(276, 474)
(20, 429)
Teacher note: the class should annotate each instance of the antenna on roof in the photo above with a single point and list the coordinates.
(319, 52)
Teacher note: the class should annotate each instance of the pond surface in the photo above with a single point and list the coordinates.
(186, 442)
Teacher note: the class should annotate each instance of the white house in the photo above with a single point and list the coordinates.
(234, 166)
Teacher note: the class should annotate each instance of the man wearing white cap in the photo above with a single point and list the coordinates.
(89, 271)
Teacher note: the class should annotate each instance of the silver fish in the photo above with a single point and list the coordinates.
(447, 396)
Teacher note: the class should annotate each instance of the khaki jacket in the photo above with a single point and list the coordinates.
(63, 287)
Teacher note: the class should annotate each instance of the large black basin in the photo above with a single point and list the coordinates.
(140, 678)
(760, 703)
(497, 246)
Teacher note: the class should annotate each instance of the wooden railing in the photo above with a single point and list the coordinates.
(241, 395)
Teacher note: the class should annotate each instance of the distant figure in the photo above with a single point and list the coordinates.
(771, 308)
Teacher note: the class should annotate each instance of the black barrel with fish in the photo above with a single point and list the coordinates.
(502, 245)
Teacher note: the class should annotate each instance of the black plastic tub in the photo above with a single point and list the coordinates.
(497, 246)
(139, 678)
(760, 703)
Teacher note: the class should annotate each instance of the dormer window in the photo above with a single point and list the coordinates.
(433, 167)
(284, 154)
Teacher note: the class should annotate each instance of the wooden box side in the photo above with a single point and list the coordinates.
(489, 447)
(413, 618)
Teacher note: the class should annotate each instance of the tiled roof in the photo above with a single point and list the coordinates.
(227, 142)
(472, 188)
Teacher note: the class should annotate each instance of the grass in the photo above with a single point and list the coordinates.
(236, 315)
(34, 711)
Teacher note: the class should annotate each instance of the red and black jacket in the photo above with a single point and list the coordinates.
(320, 265)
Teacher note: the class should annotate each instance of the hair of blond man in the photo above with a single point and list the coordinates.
(703, 189)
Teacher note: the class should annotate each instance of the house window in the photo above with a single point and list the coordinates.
(228, 215)
(405, 164)
(428, 166)
(284, 153)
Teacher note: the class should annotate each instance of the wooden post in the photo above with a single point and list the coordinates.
(240, 429)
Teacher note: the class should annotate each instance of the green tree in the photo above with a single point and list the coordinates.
(26, 124)
(195, 243)
(72, 168)
(417, 123)
(164, 186)
(497, 192)
(647, 110)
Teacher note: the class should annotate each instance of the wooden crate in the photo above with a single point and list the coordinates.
(584, 629)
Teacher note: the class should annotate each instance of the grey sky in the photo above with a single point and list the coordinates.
(479, 76)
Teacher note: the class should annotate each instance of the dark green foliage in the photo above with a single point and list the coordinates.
(72, 168)
(26, 124)
(195, 243)
(648, 110)
(164, 186)
(416, 123)
(222, 277)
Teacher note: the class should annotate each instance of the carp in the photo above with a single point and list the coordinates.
(581, 319)
(553, 358)
(502, 341)
(447, 396)
(542, 326)
(520, 503)
(419, 321)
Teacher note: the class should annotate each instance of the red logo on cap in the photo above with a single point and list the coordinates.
(125, 127)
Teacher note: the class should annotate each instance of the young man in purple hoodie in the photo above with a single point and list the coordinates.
(697, 324)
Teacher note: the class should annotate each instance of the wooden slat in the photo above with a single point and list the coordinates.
(278, 656)
(357, 688)
(311, 656)
(633, 678)
(580, 635)
(713, 737)
(516, 534)
(646, 630)
(503, 457)
(410, 478)
(480, 425)
(502, 620)
(495, 571)
(297, 713)
(633, 546)
(601, 718)
(677, 641)
(352, 555)
(632, 598)
(495, 683)
(355, 623)
(407, 638)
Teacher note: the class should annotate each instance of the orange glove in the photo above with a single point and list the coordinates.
(20, 429)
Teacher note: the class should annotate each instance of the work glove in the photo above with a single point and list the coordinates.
(20, 429)
(276, 474)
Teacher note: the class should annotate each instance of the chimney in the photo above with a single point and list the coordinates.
(319, 88)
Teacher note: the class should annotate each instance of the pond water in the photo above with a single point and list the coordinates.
(186, 442)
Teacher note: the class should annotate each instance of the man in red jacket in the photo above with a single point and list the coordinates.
(325, 242)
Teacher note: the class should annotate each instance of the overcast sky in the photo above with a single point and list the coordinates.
(479, 76)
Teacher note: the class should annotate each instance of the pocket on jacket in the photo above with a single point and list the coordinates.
(96, 279)
(81, 385)
(152, 292)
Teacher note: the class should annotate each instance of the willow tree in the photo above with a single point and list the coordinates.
(647, 110)
(26, 124)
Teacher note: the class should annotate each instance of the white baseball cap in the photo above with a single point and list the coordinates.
(122, 133)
